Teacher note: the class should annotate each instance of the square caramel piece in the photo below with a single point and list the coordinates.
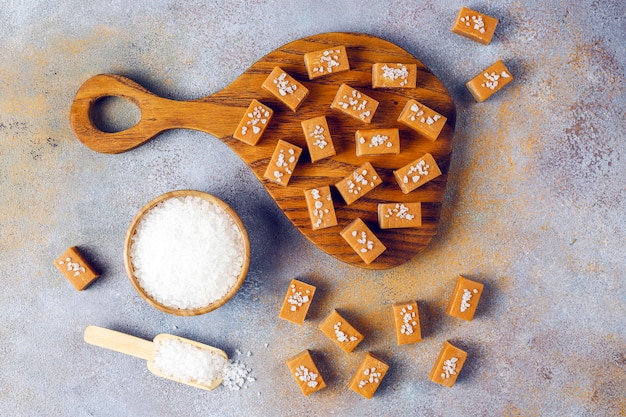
(326, 61)
(417, 173)
(363, 180)
(76, 269)
(354, 103)
(305, 372)
(464, 299)
(363, 241)
(340, 332)
(448, 365)
(422, 119)
(318, 138)
(319, 201)
(388, 75)
(377, 142)
(369, 376)
(283, 162)
(297, 301)
(285, 88)
(407, 321)
(485, 84)
(474, 25)
(399, 215)
(253, 123)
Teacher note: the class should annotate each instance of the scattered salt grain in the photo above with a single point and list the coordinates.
(188, 363)
(187, 252)
(236, 375)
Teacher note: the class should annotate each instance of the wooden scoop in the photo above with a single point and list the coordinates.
(144, 349)
(220, 113)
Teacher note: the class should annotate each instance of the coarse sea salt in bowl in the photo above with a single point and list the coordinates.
(186, 252)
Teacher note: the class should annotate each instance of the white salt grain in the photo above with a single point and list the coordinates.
(187, 252)
(236, 375)
(187, 363)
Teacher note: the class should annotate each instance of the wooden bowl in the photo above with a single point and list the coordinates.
(131, 272)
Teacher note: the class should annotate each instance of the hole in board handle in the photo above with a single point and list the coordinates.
(113, 114)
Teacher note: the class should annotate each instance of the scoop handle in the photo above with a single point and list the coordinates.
(119, 342)
(157, 114)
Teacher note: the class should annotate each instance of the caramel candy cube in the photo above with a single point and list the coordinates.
(326, 61)
(448, 365)
(253, 123)
(474, 25)
(321, 208)
(485, 84)
(305, 372)
(341, 332)
(283, 162)
(399, 215)
(297, 301)
(318, 138)
(363, 241)
(285, 88)
(363, 180)
(388, 75)
(377, 142)
(422, 119)
(354, 103)
(464, 299)
(406, 318)
(369, 376)
(76, 269)
(417, 173)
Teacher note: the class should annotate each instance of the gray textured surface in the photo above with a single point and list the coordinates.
(535, 210)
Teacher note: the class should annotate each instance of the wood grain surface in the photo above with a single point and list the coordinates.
(220, 113)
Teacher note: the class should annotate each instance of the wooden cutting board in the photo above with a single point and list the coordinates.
(220, 113)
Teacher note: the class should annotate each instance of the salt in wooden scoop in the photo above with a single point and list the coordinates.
(144, 349)
(220, 113)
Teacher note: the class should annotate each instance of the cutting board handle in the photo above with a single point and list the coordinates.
(119, 342)
(157, 114)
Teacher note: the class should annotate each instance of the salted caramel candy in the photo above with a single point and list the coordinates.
(464, 298)
(394, 75)
(399, 215)
(362, 180)
(285, 88)
(369, 376)
(474, 25)
(488, 82)
(448, 365)
(417, 173)
(306, 373)
(422, 119)
(253, 123)
(76, 269)
(283, 162)
(363, 241)
(319, 201)
(297, 301)
(337, 329)
(326, 61)
(407, 321)
(318, 138)
(354, 103)
(377, 142)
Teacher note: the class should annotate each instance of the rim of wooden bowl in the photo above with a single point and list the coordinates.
(131, 272)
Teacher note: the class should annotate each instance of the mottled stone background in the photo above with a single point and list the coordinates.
(535, 210)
